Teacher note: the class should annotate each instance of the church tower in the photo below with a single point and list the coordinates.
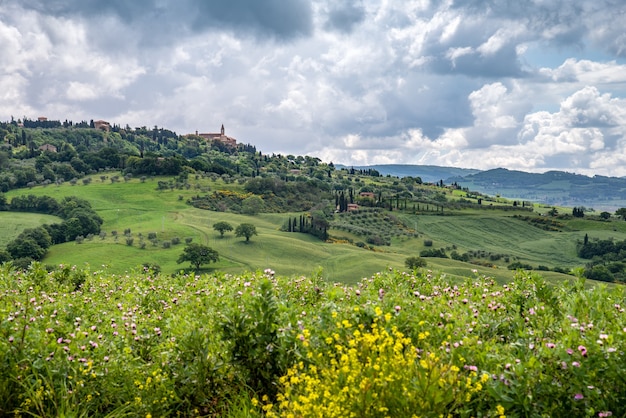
(222, 131)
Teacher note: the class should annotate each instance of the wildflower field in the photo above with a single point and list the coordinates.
(75, 343)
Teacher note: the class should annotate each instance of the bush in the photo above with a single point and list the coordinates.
(414, 262)
(257, 344)
(519, 265)
(428, 243)
(440, 252)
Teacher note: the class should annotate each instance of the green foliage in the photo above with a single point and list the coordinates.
(517, 265)
(414, 262)
(198, 254)
(434, 252)
(394, 344)
(246, 230)
(222, 227)
(250, 330)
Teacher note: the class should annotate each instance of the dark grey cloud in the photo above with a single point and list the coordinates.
(344, 16)
(153, 19)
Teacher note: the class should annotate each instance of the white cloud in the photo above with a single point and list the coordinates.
(449, 83)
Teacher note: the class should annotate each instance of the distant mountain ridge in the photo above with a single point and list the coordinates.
(558, 188)
(428, 173)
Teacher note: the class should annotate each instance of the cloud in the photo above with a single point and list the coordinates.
(344, 16)
(155, 20)
(529, 85)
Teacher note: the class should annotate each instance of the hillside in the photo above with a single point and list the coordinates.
(558, 188)
(141, 195)
(428, 173)
(553, 187)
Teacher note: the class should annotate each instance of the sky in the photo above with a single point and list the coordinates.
(531, 85)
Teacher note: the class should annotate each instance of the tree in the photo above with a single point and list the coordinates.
(621, 212)
(245, 230)
(414, 262)
(252, 205)
(222, 227)
(198, 254)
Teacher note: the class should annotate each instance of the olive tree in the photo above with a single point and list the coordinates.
(222, 227)
(198, 254)
(245, 230)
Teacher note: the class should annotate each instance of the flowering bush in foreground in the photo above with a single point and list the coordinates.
(75, 342)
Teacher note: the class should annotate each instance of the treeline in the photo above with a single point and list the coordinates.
(79, 220)
(36, 152)
(608, 259)
(314, 223)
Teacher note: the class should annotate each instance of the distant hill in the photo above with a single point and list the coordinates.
(428, 173)
(557, 188)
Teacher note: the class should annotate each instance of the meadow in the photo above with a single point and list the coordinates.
(138, 206)
(13, 223)
(77, 342)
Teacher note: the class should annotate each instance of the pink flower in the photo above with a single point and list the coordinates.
(582, 350)
(578, 396)
(575, 364)
(550, 345)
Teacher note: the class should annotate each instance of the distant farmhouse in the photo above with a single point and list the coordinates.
(102, 125)
(219, 136)
(48, 147)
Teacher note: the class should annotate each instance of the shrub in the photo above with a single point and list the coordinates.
(519, 265)
(414, 262)
(428, 243)
(439, 252)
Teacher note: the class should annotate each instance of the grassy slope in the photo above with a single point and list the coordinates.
(140, 207)
(143, 209)
(13, 223)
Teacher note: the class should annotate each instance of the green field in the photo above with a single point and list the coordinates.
(143, 209)
(13, 223)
